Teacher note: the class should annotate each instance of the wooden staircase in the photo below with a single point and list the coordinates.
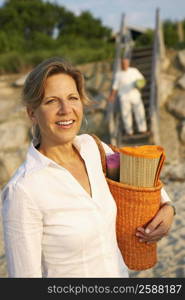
(142, 60)
(148, 61)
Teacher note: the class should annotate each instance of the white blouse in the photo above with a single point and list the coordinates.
(53, 227)
(125, 80)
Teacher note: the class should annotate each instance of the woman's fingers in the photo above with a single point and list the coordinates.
(140, 229)
(153, 236)
(158, 227)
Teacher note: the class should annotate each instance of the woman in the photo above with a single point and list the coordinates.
(58, 213)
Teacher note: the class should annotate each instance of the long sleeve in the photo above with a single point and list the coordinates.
(22, 225)
(115, 84)
(164, 196)
(138, 74)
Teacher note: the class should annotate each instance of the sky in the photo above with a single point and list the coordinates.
(138, 12)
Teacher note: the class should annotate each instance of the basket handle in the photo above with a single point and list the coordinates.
(102, 153)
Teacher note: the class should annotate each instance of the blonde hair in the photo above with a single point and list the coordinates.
(34, 86)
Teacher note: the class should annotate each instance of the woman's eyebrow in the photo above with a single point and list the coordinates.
(71, 94)
(56, 97)
(48, 97)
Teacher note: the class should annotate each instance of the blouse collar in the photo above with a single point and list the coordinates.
(35, 160)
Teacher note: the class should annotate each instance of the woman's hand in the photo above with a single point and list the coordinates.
(158, 227)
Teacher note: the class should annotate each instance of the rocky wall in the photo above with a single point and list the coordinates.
(15, 125)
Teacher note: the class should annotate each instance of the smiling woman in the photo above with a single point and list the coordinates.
(60, 113)
(59, 217)
(39, 84)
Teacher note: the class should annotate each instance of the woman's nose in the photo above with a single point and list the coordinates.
(64, 107)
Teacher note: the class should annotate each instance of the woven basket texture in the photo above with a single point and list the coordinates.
(136, 206)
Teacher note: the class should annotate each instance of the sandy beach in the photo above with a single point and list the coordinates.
(171, 249)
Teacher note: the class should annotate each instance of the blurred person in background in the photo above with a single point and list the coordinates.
(59, 217)
(126, 85)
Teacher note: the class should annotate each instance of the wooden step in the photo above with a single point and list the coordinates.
(140, 55)
(141, 50)
(141, 59)
(136, 138)
(146, 60)
(143, 67)
(145, 97)
(146, 73)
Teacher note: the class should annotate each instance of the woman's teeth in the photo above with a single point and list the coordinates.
(65, 122)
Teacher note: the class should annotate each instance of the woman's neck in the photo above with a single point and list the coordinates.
(61, 154)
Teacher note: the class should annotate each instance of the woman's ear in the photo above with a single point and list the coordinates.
(31, 114)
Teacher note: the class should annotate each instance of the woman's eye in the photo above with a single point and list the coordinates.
(51, 101)
(73, 98)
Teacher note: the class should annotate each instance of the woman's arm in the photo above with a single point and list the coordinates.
(160, 224)
(22, 226)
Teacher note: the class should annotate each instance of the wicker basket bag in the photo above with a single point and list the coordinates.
(136, 206)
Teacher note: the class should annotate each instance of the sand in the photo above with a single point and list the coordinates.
(171, 249)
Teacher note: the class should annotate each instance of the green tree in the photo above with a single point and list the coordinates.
(26, 34)
(145, 39)
(85, 25)
(28, 16)
(170, 33)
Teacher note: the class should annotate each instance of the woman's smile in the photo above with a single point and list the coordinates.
(60, 114)
(67, 124)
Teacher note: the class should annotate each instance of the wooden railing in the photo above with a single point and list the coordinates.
(154, 98)
(112, 109)
(123, 41)
(158, 56)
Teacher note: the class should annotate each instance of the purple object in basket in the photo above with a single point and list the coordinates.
(113, 166)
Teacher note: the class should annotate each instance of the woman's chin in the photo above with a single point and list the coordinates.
(66, 137)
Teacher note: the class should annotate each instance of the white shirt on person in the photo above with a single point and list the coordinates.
(53, 227)
(124, 82)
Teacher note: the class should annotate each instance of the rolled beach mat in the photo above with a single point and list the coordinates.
(161, 160)
(140, 166)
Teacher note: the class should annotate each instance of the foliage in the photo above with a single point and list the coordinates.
(27, 37)
(27, 34)
(85, 26)
(11, 62)
(145, 39)
(170, 32)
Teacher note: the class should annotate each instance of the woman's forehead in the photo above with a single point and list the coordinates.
(59, 86)
(60, 82)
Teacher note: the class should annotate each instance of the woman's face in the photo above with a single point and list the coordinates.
(60, 114)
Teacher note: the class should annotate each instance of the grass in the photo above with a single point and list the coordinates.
(16, 62)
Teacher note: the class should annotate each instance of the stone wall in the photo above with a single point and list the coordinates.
(14, 128)
(15, 133)
(15, 125)
(172, 108)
